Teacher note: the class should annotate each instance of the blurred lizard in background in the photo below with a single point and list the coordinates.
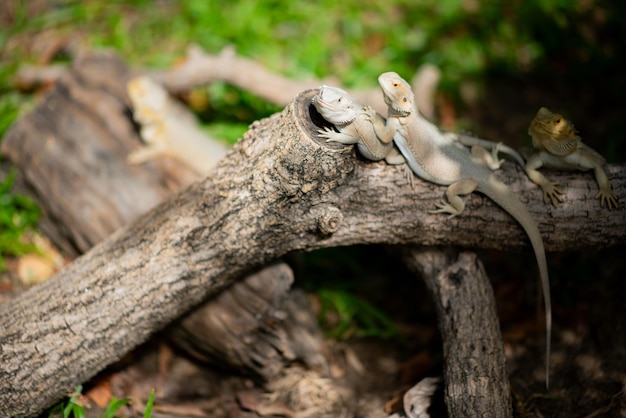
(557, 145)
(168, 128)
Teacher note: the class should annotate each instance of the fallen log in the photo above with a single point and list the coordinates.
(80, 175)
(280, 189)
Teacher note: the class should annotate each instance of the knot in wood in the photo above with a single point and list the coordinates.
(457, 277)
(329, 220)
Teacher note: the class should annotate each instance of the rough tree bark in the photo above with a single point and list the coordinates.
(472, 343)
(279, 190)
(87, 190)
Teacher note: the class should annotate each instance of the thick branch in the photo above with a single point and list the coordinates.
(279, 190)
(475, 364)
(249, 326)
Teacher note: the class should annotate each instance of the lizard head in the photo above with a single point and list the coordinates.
(148, 98)
(553, 132)
(335, 105)
(397, 93)
(552, 124)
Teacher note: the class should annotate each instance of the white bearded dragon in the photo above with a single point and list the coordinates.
(434, 158)
(556, 145)
(357, 124)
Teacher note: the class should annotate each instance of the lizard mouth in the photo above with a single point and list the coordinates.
(402, 112)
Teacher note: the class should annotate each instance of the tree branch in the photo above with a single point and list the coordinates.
(472, 343)
(280, 189)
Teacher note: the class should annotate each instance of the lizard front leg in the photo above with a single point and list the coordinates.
(341, 137)
(153, 149)
(383, 131)
(456, 205)
(550, 189)
(606, 192)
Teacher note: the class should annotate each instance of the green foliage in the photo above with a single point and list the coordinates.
(70, 407)
(9, 110)
(345, 315)
(353, 40)
(114, 405)
(17, 214)
(233, 106)
(231, 132)
(148, 412)
(348, 282)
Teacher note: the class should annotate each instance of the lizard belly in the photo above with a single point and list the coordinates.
(411, 160)
(374, 153)
(434, 163)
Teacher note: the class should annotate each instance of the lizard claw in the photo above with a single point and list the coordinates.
(370, 113)
(496, 164)
(327, 133)
(609, 197)
(143, 154)
(444, 207)
(408, 174)
(552, 192)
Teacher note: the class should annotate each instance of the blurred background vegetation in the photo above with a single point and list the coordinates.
(500, 59)
(564, 52)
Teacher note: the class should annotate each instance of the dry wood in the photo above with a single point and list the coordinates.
(250, 326)
(472, 343)
(201, 68)
(279, 190)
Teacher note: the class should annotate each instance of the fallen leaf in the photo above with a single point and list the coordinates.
(34, 268)
(101, 393)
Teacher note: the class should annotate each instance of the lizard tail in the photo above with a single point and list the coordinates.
(500, 194)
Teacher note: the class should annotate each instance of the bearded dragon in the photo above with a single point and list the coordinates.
(168, 128)
(357, 124)
(434, 158)
(361, 125)
(556, 145)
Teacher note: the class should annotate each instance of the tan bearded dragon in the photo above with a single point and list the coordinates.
(556, 145)
(361, 125)
(434, 158)
(168, 128)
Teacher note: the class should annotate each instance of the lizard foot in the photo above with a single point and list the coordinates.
(333, 136)
(370, 114)
(444, 207)
(608, 197)
(408, 174)
(552, 192)
(490, 160)
(495, 164)
(327, 133)
(143, 154)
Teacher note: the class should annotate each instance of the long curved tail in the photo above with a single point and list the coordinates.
(500, 193)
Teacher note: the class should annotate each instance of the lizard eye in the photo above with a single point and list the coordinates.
(395, 84)
(557, 121)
